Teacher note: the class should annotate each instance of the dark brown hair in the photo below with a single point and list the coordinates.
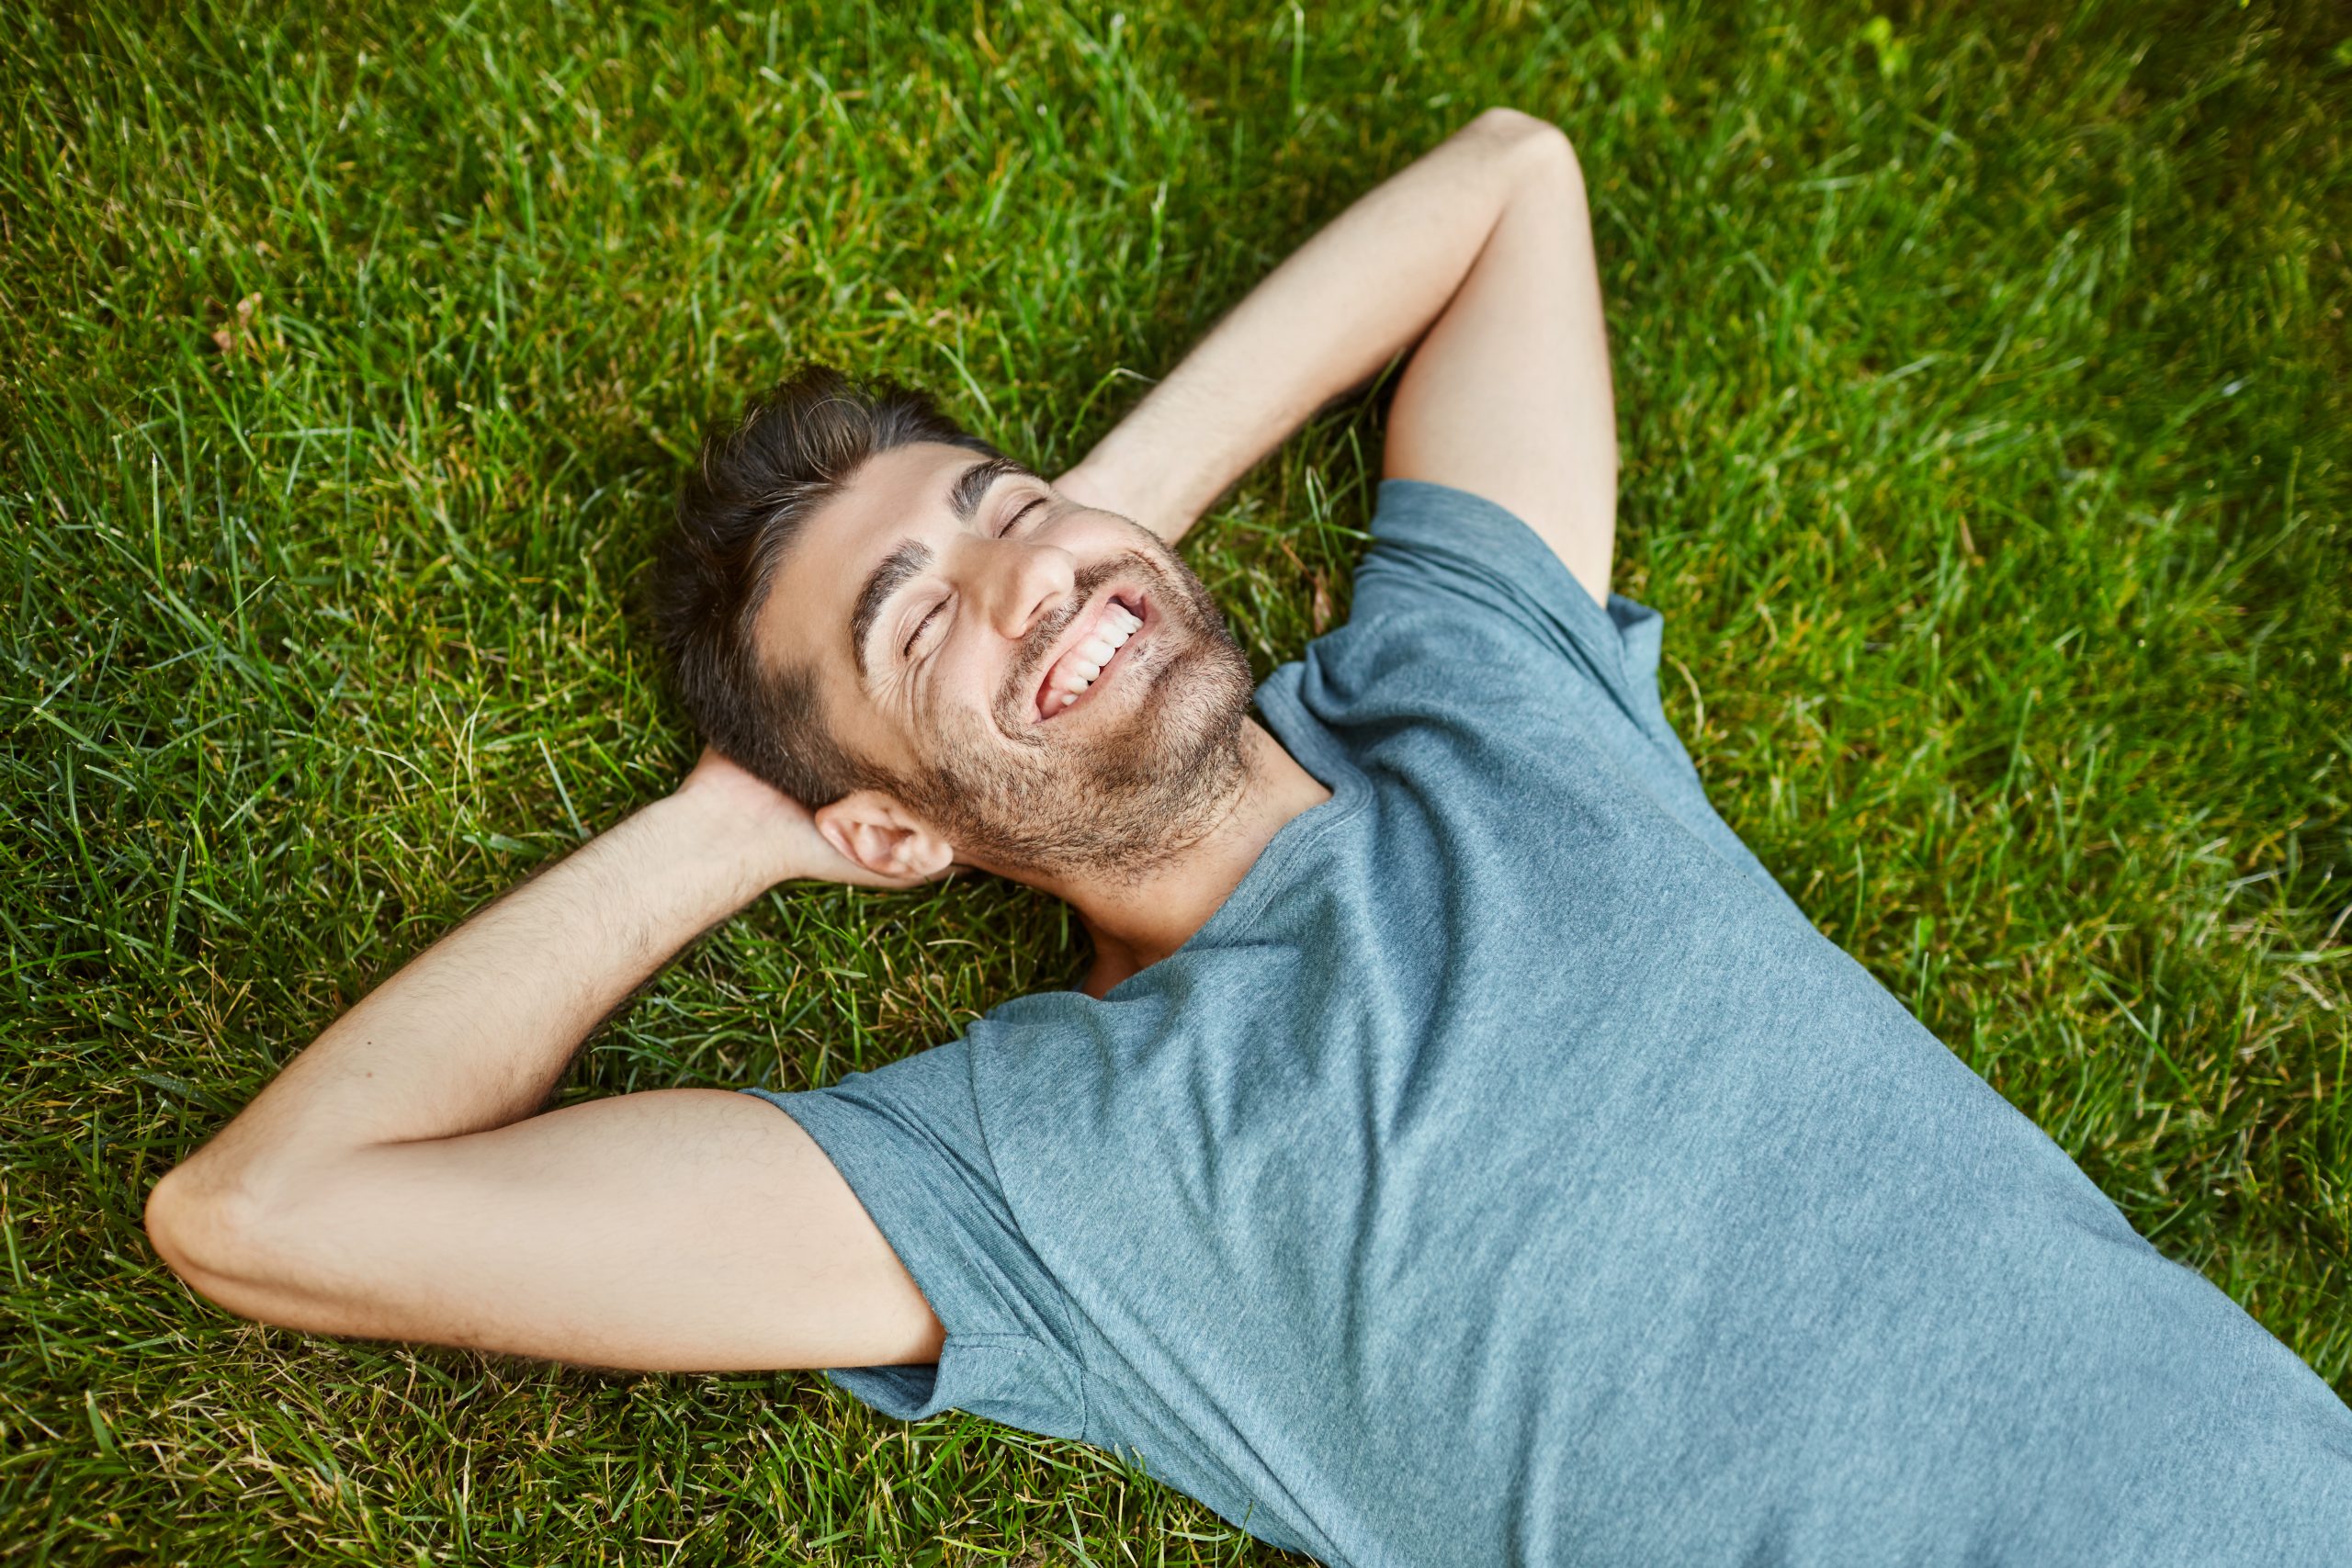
(795, 448)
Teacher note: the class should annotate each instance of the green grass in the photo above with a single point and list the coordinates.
(1983, 384)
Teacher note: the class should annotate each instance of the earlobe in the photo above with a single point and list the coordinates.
(914, 848)
(875, 831)
(859, 828)
(925, 854)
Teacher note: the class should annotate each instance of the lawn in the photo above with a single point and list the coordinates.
(1982, 380)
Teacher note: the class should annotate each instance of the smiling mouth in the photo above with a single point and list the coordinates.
(1090, 657)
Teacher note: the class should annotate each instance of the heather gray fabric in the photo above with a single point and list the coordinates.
(1509, 1172)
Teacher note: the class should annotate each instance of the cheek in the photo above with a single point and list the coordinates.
(1092, 536)
(958, 704)
(969, 676)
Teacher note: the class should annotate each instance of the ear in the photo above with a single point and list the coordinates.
(874, 830)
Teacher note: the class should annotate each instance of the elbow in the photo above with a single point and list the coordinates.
(1534, 148)
(184, 1224)
(261, 1249)
(1518, 129)
(206, 1230)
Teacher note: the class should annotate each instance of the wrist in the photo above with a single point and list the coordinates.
(717, 840)
(1104, 488)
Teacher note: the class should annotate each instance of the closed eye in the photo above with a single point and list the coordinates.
(1014, 521)
(907, 651)
(915, 636)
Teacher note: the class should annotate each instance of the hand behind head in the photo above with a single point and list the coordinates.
(781, 836)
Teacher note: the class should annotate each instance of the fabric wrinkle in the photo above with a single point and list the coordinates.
(1509, 1171)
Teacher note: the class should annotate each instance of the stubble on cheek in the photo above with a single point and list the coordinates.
(1114, 797)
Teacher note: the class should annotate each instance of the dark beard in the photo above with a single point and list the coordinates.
(1113, 804)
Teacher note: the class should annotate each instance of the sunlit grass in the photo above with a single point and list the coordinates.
(1983, 397)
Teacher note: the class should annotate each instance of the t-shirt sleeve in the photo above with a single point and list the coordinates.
(1464, 615)
(907, 1138)
(1444, 560)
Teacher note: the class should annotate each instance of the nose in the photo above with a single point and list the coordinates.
(1023, 583)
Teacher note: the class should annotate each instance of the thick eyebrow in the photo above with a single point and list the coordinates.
(907, 562)
(900, 567)
(971, 486)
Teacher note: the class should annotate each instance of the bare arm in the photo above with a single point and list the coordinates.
(1361, 291)
(395, 1181)
(1509, 395)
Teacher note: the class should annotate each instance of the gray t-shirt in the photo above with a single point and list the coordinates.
(1509, 1172)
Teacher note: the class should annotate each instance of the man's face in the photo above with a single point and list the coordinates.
(951, 607)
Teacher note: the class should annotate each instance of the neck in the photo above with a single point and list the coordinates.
(1136, 921)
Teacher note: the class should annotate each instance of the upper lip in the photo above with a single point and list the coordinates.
(1080, 625)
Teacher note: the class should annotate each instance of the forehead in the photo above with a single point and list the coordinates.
(895, 496)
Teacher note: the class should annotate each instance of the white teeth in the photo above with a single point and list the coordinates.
(1084, 666)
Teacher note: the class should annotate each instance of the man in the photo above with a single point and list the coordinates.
(1460, 1150)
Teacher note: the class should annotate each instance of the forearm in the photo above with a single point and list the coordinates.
(476, 1031)
(1363, 290)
